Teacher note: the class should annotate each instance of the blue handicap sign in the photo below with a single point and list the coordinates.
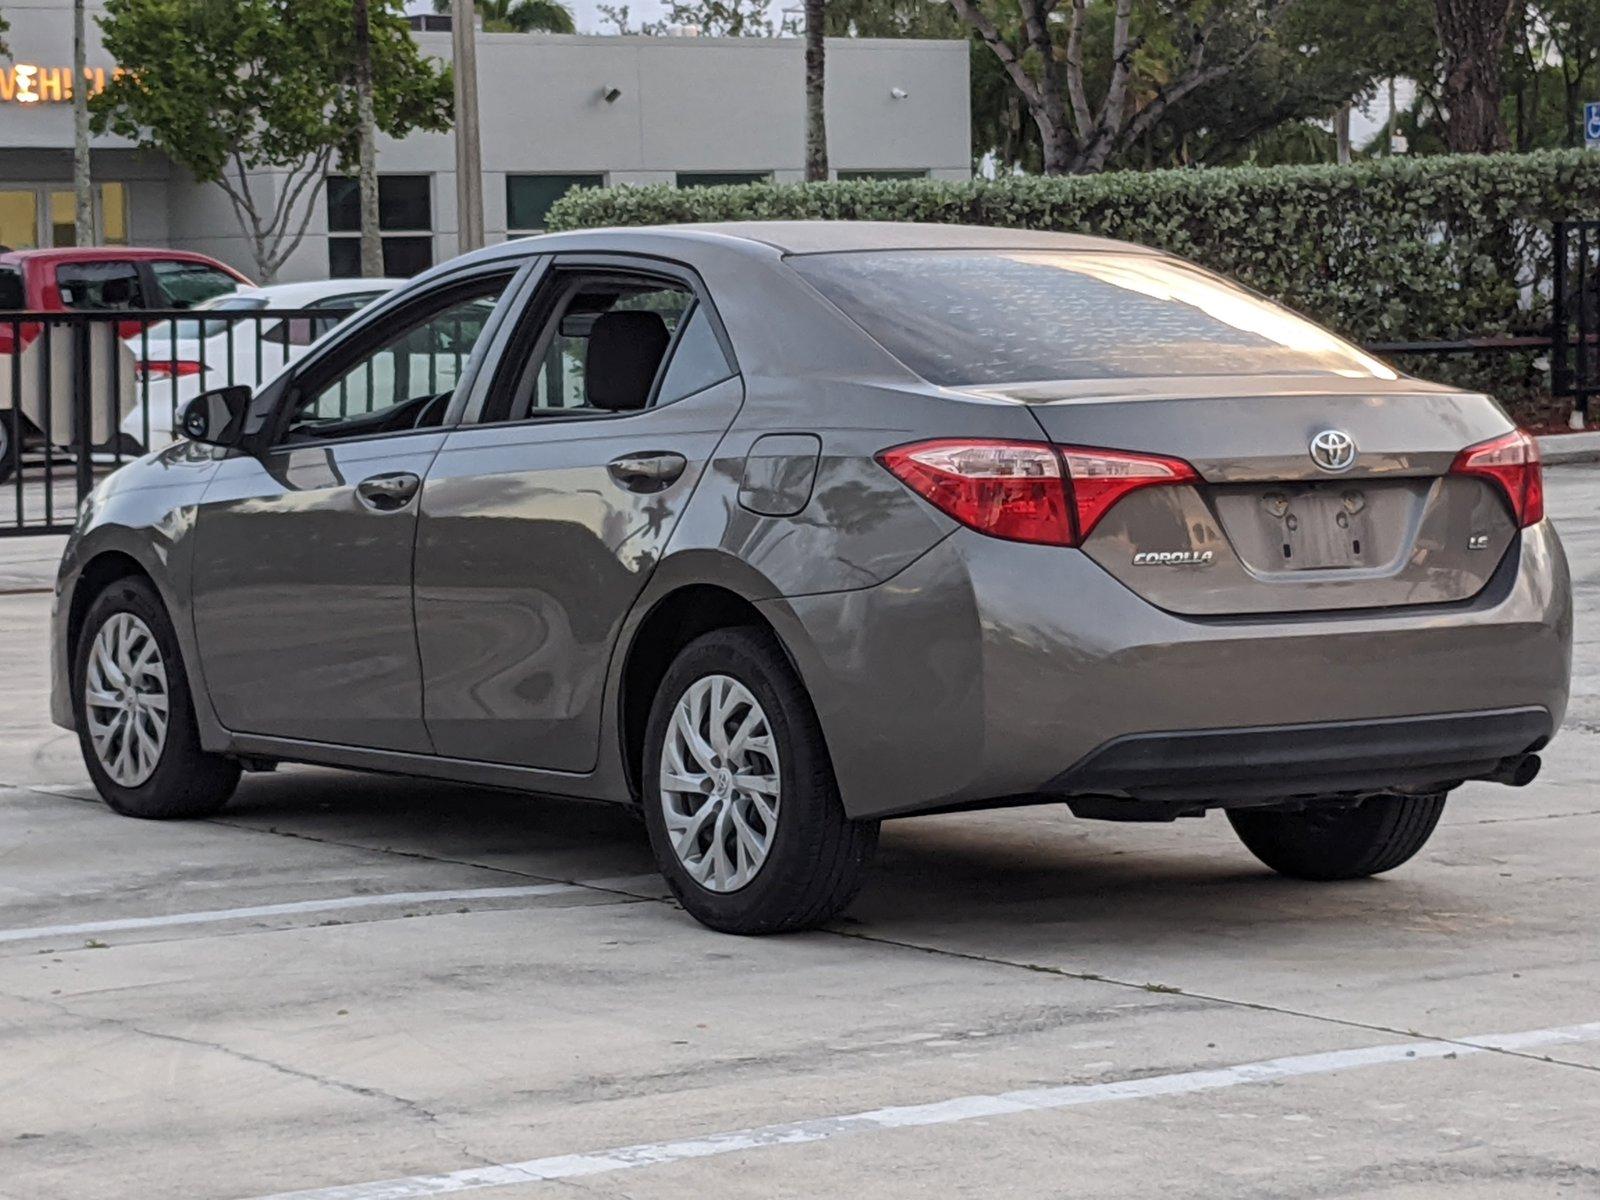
(1591, 123)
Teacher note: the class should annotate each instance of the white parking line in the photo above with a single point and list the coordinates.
(332, 904)
(941, 1112)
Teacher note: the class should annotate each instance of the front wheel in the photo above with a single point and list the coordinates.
(1330, 841)
(739, 794)
(136, 723)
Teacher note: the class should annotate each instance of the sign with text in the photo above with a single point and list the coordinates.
(30, 83)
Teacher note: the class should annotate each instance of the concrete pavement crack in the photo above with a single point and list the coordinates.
(411, 1107)
(1229, 1001)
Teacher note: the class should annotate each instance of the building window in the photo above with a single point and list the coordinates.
(21, 209)
(530, 197)
(689, 179)
(405, 219)
(886, 173)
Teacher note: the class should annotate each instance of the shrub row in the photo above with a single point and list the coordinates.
(1390, 249)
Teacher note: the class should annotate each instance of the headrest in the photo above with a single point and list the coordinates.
(625, 350)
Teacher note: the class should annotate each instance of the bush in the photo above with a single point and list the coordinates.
(1389, 249)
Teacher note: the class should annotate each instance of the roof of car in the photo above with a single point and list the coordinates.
(316, 289)
(823, 237)
(110, 253)
(813, 237)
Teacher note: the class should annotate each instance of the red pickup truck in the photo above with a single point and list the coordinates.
(108, 279)
(98, 279)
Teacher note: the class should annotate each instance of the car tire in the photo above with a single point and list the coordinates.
(1328, 842)
(813, 858)
(128, 662)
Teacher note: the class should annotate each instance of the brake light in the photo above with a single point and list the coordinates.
(1512, 461)
(1027, 491)
(1102, 477)
(166, 368)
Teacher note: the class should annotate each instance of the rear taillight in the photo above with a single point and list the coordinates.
(1512, 461)
(166, 368)
(1027, 491)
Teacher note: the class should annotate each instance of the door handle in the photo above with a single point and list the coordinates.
(652, 471)
(388, 493)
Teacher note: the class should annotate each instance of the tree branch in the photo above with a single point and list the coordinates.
(969, 12)
(1080, 98)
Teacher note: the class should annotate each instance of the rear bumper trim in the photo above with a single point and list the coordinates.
(1325, 758)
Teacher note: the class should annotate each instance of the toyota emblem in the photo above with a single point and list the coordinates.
(1333, 450)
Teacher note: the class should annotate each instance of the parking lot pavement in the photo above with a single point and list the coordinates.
(356, 988)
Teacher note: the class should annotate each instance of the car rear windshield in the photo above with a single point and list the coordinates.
(967, 317)
(12, 294)
(191, 329)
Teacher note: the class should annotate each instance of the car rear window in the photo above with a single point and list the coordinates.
(965, 317)
(13, 295)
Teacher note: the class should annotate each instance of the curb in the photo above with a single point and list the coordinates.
(1557, 448)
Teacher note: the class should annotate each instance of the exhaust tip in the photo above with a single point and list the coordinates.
(1518, 771)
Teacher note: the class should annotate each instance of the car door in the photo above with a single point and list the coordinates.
(302, 568)
(543, 517)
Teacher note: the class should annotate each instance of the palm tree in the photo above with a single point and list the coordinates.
(521, 16)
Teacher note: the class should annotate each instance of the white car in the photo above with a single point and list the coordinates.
(177, 360)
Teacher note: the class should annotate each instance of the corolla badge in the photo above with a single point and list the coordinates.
(1333, 450)
(1173, 558)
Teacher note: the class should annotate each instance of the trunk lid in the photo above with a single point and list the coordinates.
(1269, 530)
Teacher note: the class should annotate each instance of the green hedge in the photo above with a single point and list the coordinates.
(1390, 249)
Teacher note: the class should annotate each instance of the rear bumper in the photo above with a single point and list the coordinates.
(994, 671)
(1329, 757)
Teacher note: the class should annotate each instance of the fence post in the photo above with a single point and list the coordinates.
(82, 408)
(1559, 318)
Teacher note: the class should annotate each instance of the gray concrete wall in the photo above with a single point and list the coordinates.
(685, 104)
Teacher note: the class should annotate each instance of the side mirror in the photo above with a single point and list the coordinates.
(216, 418)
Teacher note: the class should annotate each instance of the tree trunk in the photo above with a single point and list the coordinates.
(469, 145)
(1394, 118)
(1341, 134)
(367, 133)
(82, 184)
(816, 78)
(1471, 36)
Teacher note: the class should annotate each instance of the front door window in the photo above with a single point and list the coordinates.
(407, 382)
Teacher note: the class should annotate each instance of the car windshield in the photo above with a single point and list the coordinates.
(189, 329)
(965, 317)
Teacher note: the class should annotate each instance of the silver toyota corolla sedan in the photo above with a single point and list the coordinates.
(778, 530)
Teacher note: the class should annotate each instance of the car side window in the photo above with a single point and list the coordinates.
(185, 284)
(600, 343)
(404, 383)
(697, 360)
(99, 286)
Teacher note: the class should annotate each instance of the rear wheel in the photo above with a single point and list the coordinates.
(1331, 841)
(739, 795)
(136, 722)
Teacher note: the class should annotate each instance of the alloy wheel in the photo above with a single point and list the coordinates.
(126, 701)
(720, 783)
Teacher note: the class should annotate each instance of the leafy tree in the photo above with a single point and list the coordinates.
(713, 18)
(1096, 75)
(258, 97)
(520, 16)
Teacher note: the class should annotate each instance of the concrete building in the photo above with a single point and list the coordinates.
(558, 112)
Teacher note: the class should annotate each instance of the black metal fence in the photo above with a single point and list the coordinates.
(82, 393)
(1575, 331)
